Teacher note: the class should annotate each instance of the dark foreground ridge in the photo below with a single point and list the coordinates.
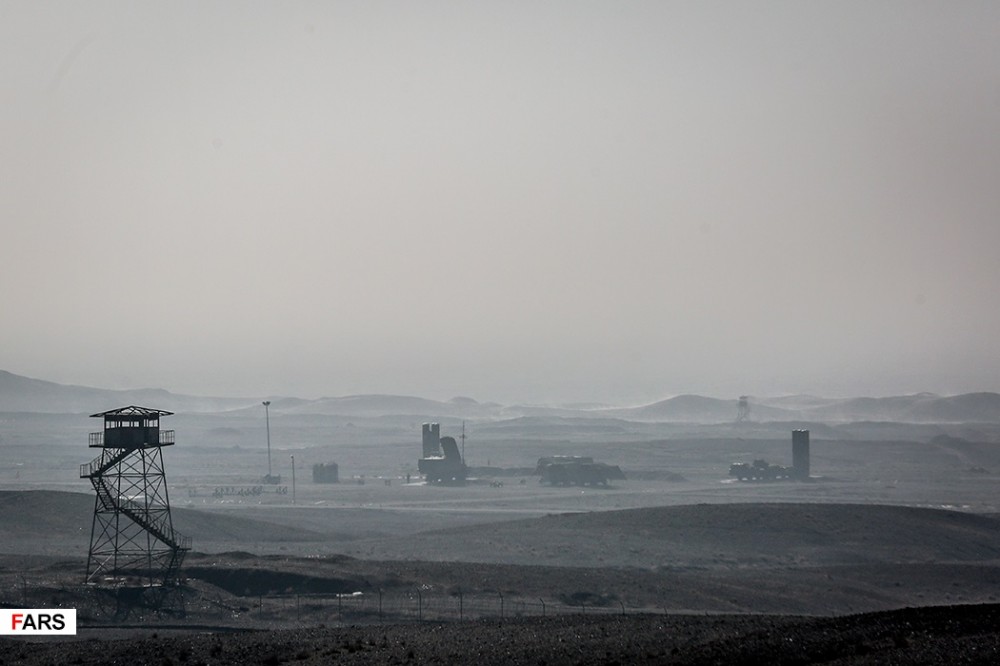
(933, 635)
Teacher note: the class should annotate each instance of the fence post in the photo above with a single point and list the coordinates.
(623, 606)
(461, 614)
(501, 604)
(543, 606)
(380, 605)
(340, 613)
(420, 606)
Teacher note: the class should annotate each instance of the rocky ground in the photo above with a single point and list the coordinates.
(938, 635)
(699, 584)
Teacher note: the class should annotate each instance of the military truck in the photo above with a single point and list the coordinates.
(576, 471)
(326, 473)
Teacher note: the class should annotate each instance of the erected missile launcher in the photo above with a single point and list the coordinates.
(442, 462)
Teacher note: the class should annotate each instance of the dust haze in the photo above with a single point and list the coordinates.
(645, 238)
(515, 203)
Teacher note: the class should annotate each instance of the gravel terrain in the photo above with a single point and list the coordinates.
(939, 635)
(760, 583)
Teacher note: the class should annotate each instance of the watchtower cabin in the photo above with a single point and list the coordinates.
(131, 428)
(132, 540)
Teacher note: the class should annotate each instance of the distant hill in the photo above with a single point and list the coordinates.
(916, 408)
(970, 407)
(795, 402)
(380, 405)
(699, 409)
(23, 394)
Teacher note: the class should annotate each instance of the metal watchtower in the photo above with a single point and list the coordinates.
(132, 536)
(743, 413)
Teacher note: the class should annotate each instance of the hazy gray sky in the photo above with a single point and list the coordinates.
(538, 201)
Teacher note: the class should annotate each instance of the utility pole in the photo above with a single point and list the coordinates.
(267, 418)
(293, 478)
(463, 442)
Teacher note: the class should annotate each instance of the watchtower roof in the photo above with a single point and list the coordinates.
(132, 410)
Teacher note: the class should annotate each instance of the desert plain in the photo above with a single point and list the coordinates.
(890, 552)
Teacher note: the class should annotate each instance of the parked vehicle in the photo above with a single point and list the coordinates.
(760, 470)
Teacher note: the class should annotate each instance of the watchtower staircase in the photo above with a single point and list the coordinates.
(132, 538)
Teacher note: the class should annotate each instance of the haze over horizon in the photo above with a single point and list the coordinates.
(516, 202)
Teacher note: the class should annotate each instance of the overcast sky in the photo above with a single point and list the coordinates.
(514, 201)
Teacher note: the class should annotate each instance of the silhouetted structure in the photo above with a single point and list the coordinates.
(760, 470)
(442, 462)
(132, 538)
(326, 473)
(576, 471)
(432, 439)
(269, 478)
(800, 454)
(743, 411)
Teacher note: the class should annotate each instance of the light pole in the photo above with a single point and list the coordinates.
(293, 478)
(267, 418)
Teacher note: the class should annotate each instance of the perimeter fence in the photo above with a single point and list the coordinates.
(373, 607)
(395, 606)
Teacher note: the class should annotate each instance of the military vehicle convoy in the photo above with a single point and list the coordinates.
(442, 463)
(576, 471)
(761, 470)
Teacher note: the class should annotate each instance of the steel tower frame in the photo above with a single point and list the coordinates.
(743, 409)
(132, 538)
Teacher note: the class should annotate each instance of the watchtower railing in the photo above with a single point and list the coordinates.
(96, 439)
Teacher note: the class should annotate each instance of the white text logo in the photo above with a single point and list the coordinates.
(37, 621)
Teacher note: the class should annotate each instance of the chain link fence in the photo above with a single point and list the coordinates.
(380, 606)
(416, 606)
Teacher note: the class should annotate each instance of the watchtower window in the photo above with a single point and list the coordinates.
(128, 423)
